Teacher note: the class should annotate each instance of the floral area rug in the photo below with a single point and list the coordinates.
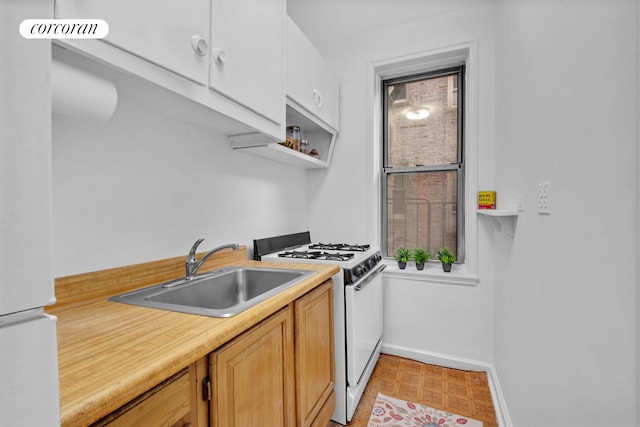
(390, 412)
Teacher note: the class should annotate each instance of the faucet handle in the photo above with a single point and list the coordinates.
(192, 253)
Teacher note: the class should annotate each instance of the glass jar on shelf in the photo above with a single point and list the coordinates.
(293, 137)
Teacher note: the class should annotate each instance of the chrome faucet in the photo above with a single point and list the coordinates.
(192, 265)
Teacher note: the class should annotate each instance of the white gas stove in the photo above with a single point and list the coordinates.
(357, 307)
(354, 260)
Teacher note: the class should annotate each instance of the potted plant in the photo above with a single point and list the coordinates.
(446, 258)
(402, 256)
(420, 256)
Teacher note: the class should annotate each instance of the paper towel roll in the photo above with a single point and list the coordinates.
(81, 95)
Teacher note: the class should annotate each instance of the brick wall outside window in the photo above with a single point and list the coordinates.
(422, 207)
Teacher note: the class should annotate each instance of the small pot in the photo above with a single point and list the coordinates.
(446, 267)
(402, 265)
(420, 266)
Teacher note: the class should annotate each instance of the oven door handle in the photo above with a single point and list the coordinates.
(360, 286)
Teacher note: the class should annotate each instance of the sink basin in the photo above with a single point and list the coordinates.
(220, 293)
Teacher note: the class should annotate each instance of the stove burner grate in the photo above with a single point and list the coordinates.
(335, 256)
(339, 247)
(299, 254)
(330, 256)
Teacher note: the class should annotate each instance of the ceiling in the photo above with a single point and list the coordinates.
(328, 21)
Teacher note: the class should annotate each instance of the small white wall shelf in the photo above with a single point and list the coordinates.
(259, 145)
(498, 212)
(509, 217)
(321, 136)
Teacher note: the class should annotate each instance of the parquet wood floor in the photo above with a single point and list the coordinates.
(461, 392)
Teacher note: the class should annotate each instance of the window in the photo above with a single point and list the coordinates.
(423, 162)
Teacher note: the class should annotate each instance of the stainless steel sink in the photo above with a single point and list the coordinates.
(220, 293)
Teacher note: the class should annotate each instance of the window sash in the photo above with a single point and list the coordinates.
(459, 166)
(460, 211)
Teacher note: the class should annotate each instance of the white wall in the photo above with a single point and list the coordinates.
(426, 317)
(147, 183)
(566, 296)
(561, 324)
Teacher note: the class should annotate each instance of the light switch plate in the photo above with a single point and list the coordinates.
(544, 198)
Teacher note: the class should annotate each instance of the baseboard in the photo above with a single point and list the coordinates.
(454, 362)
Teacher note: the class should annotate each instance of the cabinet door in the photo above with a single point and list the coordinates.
(314, 353)
(247, 59)
(302, 67)
(170, 34)
(254, 376)
(310, 81)
(328, 105)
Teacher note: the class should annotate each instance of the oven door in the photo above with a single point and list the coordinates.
(363, 322)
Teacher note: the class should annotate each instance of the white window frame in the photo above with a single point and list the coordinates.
(465, 273)
(458, 168)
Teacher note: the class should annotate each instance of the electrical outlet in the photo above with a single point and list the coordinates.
(544, 198)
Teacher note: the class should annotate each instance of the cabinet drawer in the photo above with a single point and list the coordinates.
(164, 405)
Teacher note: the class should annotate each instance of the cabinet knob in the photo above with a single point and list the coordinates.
(317, 97)
(218, 55)
(199, 45)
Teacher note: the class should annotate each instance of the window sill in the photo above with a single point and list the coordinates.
(432, 273)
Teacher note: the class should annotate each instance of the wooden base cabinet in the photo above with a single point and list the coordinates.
(254, 376)
(278, 373)
(315, 371)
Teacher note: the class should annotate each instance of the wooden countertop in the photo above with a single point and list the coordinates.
(109, 353)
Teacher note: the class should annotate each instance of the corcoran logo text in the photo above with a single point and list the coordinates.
(64, 28)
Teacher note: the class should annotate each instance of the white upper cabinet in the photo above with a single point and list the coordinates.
(247, 54)
(225, 55)
(312, 103)
(173, 35)
(310, 82)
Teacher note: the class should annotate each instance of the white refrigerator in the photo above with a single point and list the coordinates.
(29, 390)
